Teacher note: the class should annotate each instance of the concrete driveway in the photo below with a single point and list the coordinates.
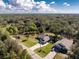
(51, 55)
(37, 46)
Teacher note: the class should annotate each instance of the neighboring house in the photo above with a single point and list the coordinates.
(43, 38)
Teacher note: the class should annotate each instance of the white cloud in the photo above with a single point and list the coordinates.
(2, 4)
(66, 4)
(28, 6)
(53, 2)
(42, 7)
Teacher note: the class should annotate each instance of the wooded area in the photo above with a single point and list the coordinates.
(62, 24)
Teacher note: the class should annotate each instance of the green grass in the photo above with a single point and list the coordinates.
(44, 50)
(29, 42)
(58, 56)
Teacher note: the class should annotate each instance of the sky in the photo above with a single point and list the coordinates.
(39, 6)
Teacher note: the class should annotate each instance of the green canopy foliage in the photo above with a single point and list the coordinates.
(12, 29)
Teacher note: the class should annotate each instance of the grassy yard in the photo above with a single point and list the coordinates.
(58, 56)
(29, 42)
(44, 50)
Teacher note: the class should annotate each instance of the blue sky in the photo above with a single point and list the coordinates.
(39, 6)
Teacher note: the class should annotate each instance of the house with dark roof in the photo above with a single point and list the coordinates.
(60, 48)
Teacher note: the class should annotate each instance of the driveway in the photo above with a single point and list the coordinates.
(66, 42)
(32, 53)
(51, 55)
(37, 46)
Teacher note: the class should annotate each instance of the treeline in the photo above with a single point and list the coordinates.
(60, 24)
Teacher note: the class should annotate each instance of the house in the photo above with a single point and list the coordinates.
(63, 45)
(60, 48)
(66, 42)
(43, 38)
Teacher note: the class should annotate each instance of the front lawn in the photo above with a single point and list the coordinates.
(58, 56)
(44, 50)
(29, 42)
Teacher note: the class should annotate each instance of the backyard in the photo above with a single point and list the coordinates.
(29, 42)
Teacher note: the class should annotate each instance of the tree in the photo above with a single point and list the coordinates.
(25, 55)
(4, 34)
(12, 29)
(32, 27)
(3, 50)
(13, 55)
(75, 54)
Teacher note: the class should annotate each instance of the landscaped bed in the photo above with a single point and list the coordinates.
(44, 50)
(29, 42)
